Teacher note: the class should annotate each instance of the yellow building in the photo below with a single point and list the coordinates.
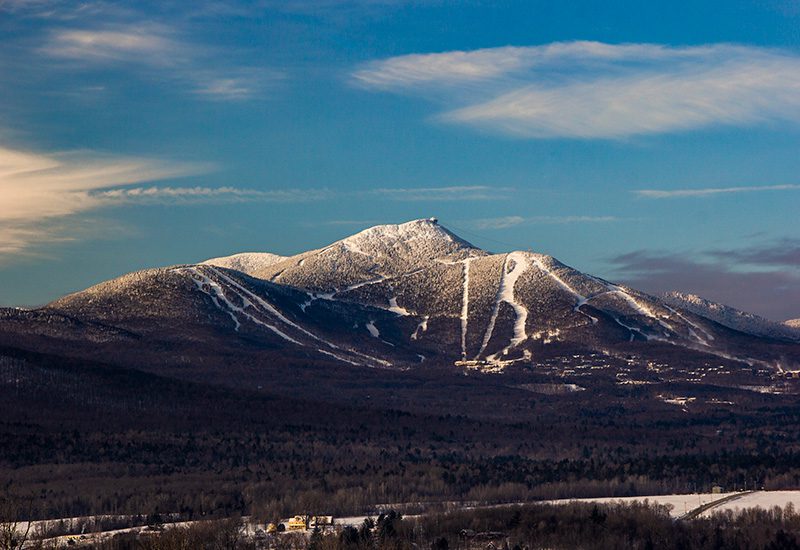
(297, 523)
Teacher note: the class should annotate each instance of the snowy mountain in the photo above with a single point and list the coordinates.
(734, 318)
(405, 296)
(246, 262)
(793, 323)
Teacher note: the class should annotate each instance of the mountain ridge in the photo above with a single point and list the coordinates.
(402, 296)
(732, 317)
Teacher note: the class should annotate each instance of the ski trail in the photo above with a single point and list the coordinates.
(342, 359)
(394, 308)
(708, 335)
(639, 307)
(580, 298)
(269, 308)
(636, 305)
(217, 288)
(312, 296)
(465, 308)
(422, 326)
(200, 280)
(373, 330)
(505, 293)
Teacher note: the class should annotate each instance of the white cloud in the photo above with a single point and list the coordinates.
(595, 90)
(160, 53)
(711, 191)
(512, 221)
(143, 44)
(202, 194)
(503, 222)
(39, 191)
(43, 193)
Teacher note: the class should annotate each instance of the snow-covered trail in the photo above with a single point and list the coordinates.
(465, 307)
(272, 309)
(635, 304)
(250, 299)
(708, 335)
(580, 299)
(421, 327)
(232, 309)
(394, 308)
(518, 264)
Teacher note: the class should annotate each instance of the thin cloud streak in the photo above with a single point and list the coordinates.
(591, 90)
(711, 191)
(141, 44)
(216, 194)
(513, 221)
(202, 71)
(41, 191)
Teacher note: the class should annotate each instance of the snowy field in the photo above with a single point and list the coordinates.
(683, 504)
(760, 499)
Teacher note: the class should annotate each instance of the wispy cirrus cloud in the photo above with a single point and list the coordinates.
(43, 193)
(594, 90)
(711, 191)
(144, 44)
(204, 194)
(40, 191)
(161, 53)
(504, 222)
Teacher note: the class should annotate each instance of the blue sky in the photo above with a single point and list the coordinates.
(654, 143)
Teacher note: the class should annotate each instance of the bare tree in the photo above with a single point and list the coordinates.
(13, 531)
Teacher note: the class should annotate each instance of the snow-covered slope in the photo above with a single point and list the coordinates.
(732, 317)
(793, 323)
(408, 295)
(246, 262)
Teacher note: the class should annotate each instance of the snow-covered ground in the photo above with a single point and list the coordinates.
(246, 262)
(683, 504)
(759, 499)
(732, 317)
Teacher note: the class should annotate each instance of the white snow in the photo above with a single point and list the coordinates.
(580, 299)
(421, 327)
(394, 308)
(759, 499)
(514, 266)
(233, 308)
(250, 299)
(732, 317)
(373, 330)
(563, 284)
(465, 307)
(681, 504)
(246, 262)
(692, 326)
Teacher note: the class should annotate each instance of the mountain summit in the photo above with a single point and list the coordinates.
(412, 295)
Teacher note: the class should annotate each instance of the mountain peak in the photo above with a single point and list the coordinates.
(424, 233)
